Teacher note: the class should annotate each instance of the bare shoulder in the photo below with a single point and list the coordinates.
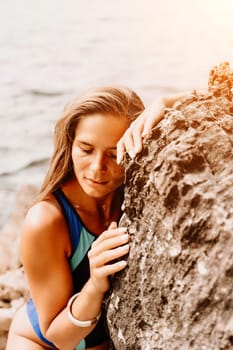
(43, 213)
(45, 248)
(44, 225)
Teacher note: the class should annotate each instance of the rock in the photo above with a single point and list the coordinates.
(13, 294)
(10, 233)
(13, 286)
(177, 291)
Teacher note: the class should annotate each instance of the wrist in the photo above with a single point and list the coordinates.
(92, 288)
(84, 308)
(77, 322)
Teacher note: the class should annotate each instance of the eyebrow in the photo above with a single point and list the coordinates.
(85, 143)
(90, 145)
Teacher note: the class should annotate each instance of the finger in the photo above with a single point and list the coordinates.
(152, 116)
(137, 139)
(108, 244)
(149, 124)
(129, 142)
(109, 256)
(109, 239)
(110, 233)
(120, 150)
(113, 225)
(108, 270)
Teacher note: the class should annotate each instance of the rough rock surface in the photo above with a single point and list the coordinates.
(13, 286)
(177, 291)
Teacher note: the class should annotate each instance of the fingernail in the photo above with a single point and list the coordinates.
(145, 135)
(113, 224)
(122, 263)
(132, 154)
(122, 229)
(125, 247)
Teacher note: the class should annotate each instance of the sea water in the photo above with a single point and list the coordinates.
(52, 50)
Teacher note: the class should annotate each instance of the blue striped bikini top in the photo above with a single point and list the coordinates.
(81, 240)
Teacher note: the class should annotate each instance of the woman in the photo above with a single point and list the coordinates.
(70, 240)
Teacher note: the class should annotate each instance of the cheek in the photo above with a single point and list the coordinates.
(76, 156)
(119, 172)
(77, 162)
(73, 152)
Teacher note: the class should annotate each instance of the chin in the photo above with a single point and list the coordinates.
(94, 192)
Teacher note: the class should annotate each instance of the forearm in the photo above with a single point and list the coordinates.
(168, 101)
(155, 111)
(110, 246)
(86, 306)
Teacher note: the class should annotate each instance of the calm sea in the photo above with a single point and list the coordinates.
(51, 50)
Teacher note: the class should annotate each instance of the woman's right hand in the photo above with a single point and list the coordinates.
(105, 256)
(132, 139)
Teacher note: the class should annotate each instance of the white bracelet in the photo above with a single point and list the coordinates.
(74, 320)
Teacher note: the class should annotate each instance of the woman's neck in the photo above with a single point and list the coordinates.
(102, 210)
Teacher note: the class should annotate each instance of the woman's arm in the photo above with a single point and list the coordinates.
(45, 248)
(131, 141)
(111, 245)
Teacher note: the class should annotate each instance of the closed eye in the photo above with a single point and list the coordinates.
(85, 147)
(86, 150)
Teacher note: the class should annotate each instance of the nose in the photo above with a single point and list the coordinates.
(98, 162)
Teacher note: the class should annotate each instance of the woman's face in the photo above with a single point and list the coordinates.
(94, 153)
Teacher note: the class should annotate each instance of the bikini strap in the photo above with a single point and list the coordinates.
(71, 217)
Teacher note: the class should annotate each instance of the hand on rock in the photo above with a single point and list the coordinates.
(104, 256)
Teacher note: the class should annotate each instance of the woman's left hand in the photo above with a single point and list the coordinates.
(106, 256)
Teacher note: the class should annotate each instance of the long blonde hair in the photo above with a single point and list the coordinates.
(118, 101)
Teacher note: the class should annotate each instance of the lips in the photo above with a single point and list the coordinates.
(97, 181)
